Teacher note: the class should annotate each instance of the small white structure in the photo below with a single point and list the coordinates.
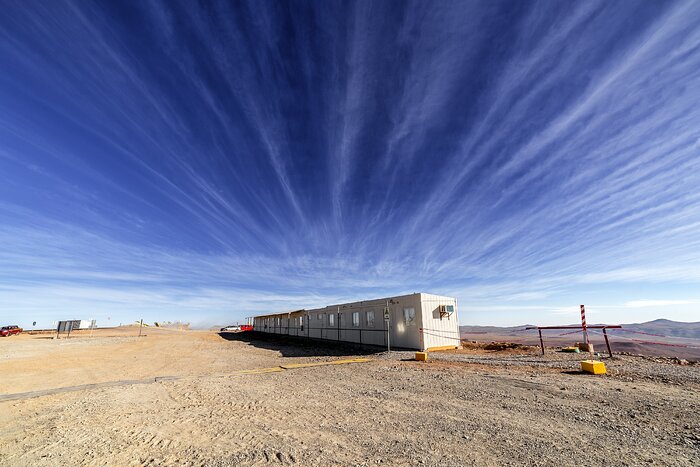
(418, 321)
(86, 324)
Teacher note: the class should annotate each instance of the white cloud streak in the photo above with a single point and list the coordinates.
(521, 173)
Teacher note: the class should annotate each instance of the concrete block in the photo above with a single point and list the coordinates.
(422, 356)
(593, 367)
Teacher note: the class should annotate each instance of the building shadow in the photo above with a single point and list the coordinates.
(293, 346)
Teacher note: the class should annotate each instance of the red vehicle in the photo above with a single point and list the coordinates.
(10, 330)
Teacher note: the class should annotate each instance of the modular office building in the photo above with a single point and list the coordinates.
(417, 321)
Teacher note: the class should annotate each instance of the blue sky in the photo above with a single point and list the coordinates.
(169, 161)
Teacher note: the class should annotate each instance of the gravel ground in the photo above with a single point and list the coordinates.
(625, 367)
(456, 409)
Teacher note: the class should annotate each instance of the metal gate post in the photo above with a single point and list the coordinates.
(607, 342)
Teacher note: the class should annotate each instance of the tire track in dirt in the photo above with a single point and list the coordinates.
(80, 387)
(156, 379)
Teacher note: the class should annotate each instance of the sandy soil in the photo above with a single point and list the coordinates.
(456, 409)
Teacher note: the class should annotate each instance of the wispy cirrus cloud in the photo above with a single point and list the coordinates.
(177, 158)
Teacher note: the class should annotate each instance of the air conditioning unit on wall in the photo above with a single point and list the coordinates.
(446, 311)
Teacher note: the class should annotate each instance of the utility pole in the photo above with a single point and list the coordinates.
(140, 327)
(388, 326)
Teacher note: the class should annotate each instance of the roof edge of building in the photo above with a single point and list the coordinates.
(335, 305)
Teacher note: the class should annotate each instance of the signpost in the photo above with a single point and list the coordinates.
(386, 320)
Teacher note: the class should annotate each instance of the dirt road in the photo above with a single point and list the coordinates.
(386, 411)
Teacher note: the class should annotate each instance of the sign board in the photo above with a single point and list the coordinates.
(386, 314)
(67, 326)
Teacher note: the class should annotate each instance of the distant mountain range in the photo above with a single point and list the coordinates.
(666, 327)
(660, 327)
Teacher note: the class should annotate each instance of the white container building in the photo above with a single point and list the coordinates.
(418, 321)
(86, 324)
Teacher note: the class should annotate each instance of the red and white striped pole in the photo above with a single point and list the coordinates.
(583, 324)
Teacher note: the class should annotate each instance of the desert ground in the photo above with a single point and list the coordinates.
(201, 398)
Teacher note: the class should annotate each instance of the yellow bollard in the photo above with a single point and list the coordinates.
(593, 367)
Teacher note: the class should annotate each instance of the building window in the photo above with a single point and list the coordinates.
(331, 319)
(409, 316)
(356, 319)
(370, 319)
(301, 322)
(319, 316)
